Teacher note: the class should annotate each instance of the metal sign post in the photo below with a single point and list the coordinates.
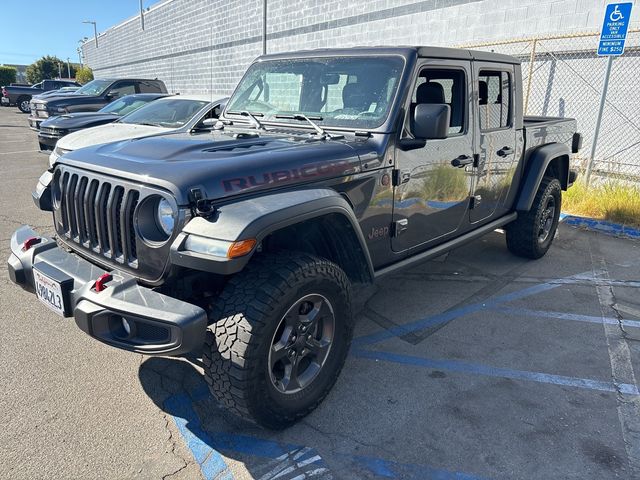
(612, 39)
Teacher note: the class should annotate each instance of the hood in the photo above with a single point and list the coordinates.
(221, 164)
(112, 132)
(69, 99)
(71, 121)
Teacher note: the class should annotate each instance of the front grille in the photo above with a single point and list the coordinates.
(53, 131)
(98, 215)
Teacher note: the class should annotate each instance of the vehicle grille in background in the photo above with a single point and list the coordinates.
(53, 131)
(99, 216)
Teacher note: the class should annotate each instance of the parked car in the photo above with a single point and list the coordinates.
(91, 97)
(165, 115)
(245, 245)
(54, 128)
(51, 93)
(21, 96)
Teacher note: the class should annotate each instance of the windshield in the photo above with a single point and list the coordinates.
(170, 113)
(352, 92)
(94, 87)
(125, 105)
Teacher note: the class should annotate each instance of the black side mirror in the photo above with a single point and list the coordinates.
(206, 124)
(112, 95)
(431, 121)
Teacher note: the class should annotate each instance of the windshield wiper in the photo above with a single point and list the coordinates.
(252, 116)
(149, 124)
(302, 117)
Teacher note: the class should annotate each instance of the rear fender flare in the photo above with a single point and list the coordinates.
(537, 165)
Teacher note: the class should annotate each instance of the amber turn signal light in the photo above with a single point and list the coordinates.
(238, 249)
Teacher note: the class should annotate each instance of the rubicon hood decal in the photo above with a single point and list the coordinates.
(218, 163)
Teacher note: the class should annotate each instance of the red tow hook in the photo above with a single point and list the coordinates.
(101, 282)
(30, 242)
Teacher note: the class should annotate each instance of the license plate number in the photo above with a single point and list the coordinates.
(49, 292)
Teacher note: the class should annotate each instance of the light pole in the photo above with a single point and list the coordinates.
(95, 30)
(79, 56)
(68, 68)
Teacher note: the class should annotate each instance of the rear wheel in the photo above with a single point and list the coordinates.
(280, 333)
(532, 233)
(23, 104)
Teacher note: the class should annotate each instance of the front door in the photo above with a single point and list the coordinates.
(498, 158)
(431, 196)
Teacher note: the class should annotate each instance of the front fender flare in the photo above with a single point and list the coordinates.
(256, 218)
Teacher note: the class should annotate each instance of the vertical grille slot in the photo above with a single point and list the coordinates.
(69, 196)
(113, 223)
(133, 203)
(90, 219)
(64, 179)
(78, 206)
(127, 233)
(100, 210)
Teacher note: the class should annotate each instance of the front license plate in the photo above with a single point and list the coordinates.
(49, 292)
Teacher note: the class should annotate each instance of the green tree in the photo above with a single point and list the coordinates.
(48, 67)
(84, 75)
(7, 75)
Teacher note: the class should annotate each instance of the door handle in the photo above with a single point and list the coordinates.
(462, 161)
(505, 151)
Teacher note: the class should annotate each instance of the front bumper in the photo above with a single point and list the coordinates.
(34, 123)
(48, 139)
(159, 324)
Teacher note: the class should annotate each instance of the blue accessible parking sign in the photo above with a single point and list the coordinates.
(614, 29)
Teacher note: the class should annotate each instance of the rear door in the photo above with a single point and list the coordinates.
(496, 133)
(432, 196)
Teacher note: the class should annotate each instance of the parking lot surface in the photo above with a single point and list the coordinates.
(478, 364)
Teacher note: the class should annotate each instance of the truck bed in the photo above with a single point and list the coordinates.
(541, 130)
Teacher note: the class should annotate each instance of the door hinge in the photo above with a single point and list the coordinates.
(398, 227)
(476, 160)
(398, 177)
(474, 201)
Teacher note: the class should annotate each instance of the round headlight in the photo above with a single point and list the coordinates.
(165, 216)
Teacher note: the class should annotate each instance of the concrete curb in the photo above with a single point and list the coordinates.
(602, 226)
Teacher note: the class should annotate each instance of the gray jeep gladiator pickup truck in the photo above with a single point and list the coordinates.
(326, 170)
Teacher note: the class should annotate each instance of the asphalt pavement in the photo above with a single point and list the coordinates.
(477, 364)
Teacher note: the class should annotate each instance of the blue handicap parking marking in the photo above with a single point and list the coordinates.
(269, 459)
(279, 460)
(614, 29)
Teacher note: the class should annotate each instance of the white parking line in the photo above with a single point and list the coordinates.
(628, 406)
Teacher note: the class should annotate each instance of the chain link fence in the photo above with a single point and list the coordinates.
(563, 76)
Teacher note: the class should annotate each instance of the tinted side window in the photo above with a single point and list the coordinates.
(150, 87)
(443, 86)
(494, 98)
(123, 88)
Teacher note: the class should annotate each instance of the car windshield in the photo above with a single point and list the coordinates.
(352, 92)
(94, 87)
(169, 113)
(125, 105)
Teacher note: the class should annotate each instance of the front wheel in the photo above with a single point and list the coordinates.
(279, 336)
(23, 104)
(532, 233)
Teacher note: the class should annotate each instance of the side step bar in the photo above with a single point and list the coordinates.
(445, 247)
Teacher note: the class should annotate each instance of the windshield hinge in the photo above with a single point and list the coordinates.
(202, 207)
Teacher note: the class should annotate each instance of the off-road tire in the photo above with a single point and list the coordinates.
(523, 235)
(243, 320)
(20, 103)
